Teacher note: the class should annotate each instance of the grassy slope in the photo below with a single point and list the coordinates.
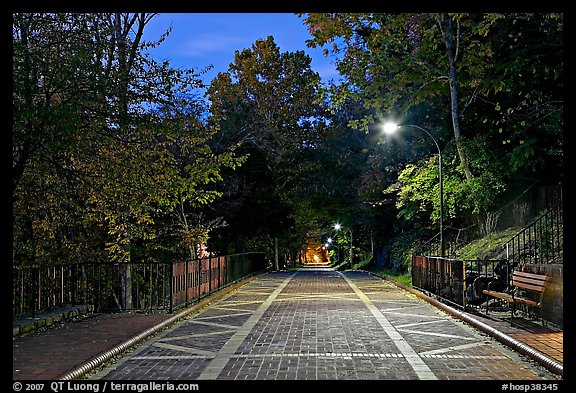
(488, 247)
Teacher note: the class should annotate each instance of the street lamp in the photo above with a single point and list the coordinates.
(390, 128)
(337, 227)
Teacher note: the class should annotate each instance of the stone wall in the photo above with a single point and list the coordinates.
(63, 314)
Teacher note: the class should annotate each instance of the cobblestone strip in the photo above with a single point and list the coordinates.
(415, 361)
(217, 364)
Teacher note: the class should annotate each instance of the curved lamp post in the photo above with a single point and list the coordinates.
(390, 128)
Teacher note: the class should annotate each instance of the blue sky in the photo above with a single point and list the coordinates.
(198, 40)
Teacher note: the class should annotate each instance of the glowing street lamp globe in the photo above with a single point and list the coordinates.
(390, 127)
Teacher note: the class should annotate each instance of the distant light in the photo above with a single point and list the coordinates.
(329, 240)
(337, 226)
(390, 127)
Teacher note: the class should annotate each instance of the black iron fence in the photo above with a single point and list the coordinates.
(537, 248)
(138, 286)
(541, 242)
(433, 247)
(459, 282)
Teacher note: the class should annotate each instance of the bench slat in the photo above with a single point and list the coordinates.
(530, 275)
(540, 281)
(530, 281)
(530, 287)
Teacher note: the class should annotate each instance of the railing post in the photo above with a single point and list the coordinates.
(171, 287)
(220, 283)
(61, 284)
(209, 274)
(186, 282)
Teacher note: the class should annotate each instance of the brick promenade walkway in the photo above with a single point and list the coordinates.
(335, 320)
(50, 354)
(318, 325)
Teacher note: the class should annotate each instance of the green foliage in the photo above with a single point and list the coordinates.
(112, 157)
(394, 62)
(364, 263)
(105, 147)
(415, 189)
(418, 195)
(487, 247)
(508, 69)
(268, 104)
(402, 247)
(390, 274)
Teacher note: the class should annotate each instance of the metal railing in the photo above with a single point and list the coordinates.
(459, 282)
(195, 279)
(541, 242)
(137, 286)
(432, 247)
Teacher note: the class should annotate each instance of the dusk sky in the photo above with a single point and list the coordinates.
(202, 39)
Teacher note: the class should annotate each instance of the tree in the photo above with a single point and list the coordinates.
(268, 102)
(521, 107)
(55, 70)
(408, 58)
(108, 143)
(449, 65)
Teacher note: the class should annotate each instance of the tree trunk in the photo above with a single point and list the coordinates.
(372, 245)
(351, 251)
(126, 61)
(126, 280)
(452, 52)
(276, 253)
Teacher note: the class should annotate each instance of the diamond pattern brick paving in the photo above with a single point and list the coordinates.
(319, 325)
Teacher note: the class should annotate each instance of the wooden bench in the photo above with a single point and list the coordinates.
(522, 282)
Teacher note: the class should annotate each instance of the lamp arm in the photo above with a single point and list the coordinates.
(428, 133)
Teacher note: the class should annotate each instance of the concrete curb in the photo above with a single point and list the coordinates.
(549, 364)
(97, 361)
